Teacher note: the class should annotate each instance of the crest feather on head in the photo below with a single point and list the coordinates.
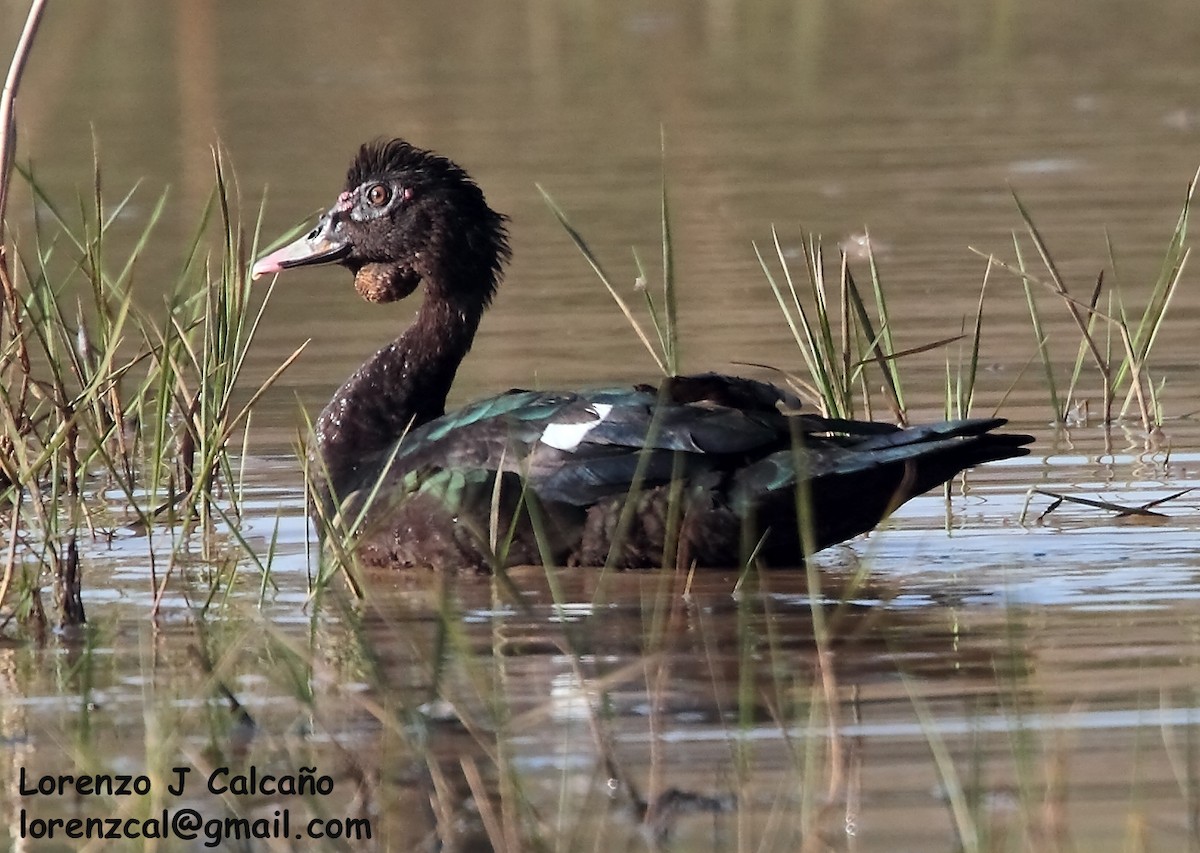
(388, 158)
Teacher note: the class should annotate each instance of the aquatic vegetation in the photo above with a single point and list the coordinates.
(114, 414)
(1118, 345)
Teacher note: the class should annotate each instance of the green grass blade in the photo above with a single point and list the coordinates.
(594, 262)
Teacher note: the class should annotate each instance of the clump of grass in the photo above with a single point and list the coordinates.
(832, 325)
(1115, 339)
(99, 395)
(830, 334)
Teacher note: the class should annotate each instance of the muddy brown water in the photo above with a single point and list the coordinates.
(1046, 668)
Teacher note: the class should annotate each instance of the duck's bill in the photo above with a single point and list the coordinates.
(319, 246)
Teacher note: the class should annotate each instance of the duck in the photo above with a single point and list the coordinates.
(700, 470)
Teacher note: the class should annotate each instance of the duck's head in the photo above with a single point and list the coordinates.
(406, 215)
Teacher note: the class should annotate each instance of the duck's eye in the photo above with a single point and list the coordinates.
(378, 195)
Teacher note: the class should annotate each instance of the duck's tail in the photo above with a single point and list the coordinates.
(837, 486)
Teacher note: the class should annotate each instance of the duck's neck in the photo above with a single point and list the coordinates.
(401, 387)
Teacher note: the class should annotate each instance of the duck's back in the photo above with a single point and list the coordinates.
(704, 469)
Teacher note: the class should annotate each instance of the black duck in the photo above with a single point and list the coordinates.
(704, 469)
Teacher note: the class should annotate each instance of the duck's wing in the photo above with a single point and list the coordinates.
(578, 447)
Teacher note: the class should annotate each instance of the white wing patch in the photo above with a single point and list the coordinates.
(569, 436)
